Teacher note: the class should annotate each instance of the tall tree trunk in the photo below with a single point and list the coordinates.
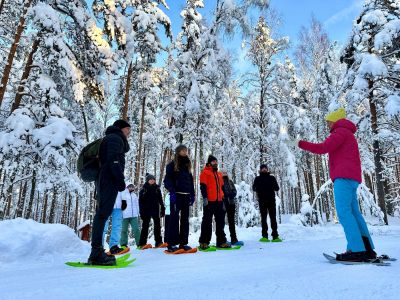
(141, 130)
(44, 208)
(1, 6)
(25, 75)
(85, 123)
(127, 89)
(377, 152)
(13, 51)
(76, 213)
(21, 201)
(28, 211)
(9, 200)
(53, 206)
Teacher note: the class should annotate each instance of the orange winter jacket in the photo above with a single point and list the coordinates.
(211, 183)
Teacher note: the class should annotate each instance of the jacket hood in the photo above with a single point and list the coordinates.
(116, 130)
(344, 123)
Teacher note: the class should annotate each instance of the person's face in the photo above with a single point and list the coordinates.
(130, 188)
(330, 124)
(214, 164)
(225, 174)
(126, 131)
(183, 152)
(152, 181)
(264, 170)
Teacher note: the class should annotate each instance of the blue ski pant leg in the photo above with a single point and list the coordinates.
(343, 192)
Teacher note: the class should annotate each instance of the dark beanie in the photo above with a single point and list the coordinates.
(263, 166)
(149, 177)
(121, 124)
(180, 148)
(211, 158)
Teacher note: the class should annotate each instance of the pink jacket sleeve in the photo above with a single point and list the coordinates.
(333, 141)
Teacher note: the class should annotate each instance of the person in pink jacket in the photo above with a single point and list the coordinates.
(345, 172)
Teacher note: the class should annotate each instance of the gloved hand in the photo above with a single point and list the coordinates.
(121, 186)
(172, 198)
(205, 202)
(123, 204)
(192, 198)
(162, 214)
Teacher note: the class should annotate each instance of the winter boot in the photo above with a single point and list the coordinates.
(185, 247)
(204, 246)
(237, 243)
(264, 240)
(352, 256)
(172, 249)
(224, 245)
(276, 240)
(100, 258)
(371, 254)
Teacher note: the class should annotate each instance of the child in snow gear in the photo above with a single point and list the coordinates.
(116, 217)
(150, 200)
(130, 216)
(109, 183)
(345, 172)
(211, 186)
(179, 183)
(230, 205)
(265, 186)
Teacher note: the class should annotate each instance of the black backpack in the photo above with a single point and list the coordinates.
(88, 164)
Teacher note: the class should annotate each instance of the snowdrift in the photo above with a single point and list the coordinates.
(27, 240)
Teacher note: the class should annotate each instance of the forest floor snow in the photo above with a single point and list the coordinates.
(32, 257)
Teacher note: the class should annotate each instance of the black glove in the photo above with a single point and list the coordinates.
(162, 214)
(123, 204)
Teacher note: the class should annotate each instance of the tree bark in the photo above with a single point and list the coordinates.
(28, 212)
(44, 208)
(21, 201)
(377, 152)
(25, 75)
(139, 156)
(127, 89)
(53, 206)
(13, 51)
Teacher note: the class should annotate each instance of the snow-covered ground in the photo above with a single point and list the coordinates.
(32, 260)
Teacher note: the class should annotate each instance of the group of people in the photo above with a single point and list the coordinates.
(218, 196)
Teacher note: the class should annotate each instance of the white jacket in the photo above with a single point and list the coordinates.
(167, 204)
(132, 207)
(118, 201)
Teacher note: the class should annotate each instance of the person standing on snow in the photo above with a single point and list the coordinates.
(130, 216)
(345, 172)
(230, 206)
(150, 201)
(179, 183)
(111, 180)
(211, 185)
(265, 186)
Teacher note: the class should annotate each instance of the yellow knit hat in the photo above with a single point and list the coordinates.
(336, 115)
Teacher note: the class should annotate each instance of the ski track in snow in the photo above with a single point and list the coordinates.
(294, 269)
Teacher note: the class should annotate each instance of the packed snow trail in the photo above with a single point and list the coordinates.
(294, 269)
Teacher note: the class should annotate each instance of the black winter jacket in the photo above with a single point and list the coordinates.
(178, 182)
(150, 200)
(265, 185)
(112, 157)
(229, 191)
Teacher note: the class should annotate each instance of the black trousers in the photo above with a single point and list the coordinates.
(166, 228)
(145, 230)
(217, 210)
(266, 209)
(106, 195)
(231, 212)
(178, 228)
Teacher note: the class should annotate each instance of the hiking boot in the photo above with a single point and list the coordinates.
(100, 258)
(115, 250)
(204, 246)
(352, 256)
(224, 245)
(185, 247)
(370, 253)
(172, 248)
